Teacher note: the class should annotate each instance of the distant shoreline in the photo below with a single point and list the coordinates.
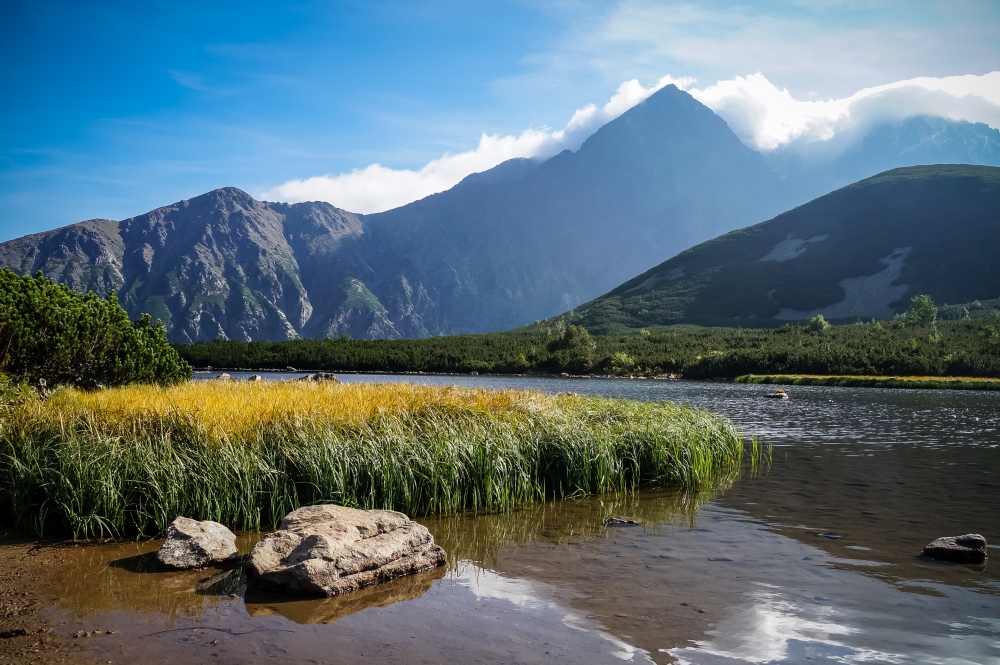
(846, 381)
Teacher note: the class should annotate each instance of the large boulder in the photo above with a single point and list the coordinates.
(193, 544)
(970, 548)
(330, 550)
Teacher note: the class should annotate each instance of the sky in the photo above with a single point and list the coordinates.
(112, 109)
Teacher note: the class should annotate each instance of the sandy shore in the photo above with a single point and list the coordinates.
(27, 567)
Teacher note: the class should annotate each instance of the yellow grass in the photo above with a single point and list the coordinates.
(131, 459)
(238, 408)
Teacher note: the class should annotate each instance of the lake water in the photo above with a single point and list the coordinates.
(815, 560)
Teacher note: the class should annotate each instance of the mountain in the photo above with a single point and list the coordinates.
(520, 242)
(911, 142)
(218, 265)
(861, 251)
(523, 241)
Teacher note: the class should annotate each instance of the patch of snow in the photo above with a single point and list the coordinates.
(867, 297)
(670, 275)
(791, 247)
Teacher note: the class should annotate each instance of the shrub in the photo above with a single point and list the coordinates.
(818, 323)
(922, 311)
(50, 334)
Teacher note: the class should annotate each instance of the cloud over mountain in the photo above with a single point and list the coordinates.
(764, 116)
(377, 188)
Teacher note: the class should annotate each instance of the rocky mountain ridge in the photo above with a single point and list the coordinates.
(523, 241)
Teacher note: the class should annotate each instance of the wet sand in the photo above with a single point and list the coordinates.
(28, 570)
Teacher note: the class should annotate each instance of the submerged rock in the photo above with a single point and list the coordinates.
(620, 521)
(330, 550)
(194, 544)
(777, 394)
(970, 548)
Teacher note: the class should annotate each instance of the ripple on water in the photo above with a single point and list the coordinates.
(749, 572)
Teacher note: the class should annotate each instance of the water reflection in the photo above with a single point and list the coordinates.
(816, 560)
(328, 610)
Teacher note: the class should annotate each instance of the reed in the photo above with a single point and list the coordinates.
(128, 460)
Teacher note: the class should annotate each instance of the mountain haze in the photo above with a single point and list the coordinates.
(862, 251)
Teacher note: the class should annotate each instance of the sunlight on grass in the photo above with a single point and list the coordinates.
(129, 460)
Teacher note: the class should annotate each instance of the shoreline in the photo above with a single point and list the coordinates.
(847, 381)
(29, 565)
(835, 381)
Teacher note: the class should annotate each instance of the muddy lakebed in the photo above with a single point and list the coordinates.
(815, 559)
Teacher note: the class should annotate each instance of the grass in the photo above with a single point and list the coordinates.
(925, 382)
(128, 460)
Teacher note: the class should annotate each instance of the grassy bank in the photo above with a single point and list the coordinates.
(885, 348)
(128, 460)
(927, 382)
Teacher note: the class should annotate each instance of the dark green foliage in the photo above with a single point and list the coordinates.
(951, 348)
(50, 334)
(945, 217)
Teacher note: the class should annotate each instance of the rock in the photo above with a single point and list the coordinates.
(970, 548)
(194, 544)
(319, 376)
(290, 369)
(330, 550)
(224, 377)
(256, 377)
(777, 394)
(620, 521)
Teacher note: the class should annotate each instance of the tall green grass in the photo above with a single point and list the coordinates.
(129, 460)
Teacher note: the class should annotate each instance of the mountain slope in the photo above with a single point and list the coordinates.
(861, 251)
(494, 253)
(915, 141)
(218, 265)
(522, 241)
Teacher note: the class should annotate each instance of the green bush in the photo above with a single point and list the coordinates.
(52, 335)
(818, 324)
(922, 311)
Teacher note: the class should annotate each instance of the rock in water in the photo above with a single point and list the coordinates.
(970, 548)
(329, 550)
(194, 544)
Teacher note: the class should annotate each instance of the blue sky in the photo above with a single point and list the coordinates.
(111, 109)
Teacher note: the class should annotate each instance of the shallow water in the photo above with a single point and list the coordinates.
(815, 560)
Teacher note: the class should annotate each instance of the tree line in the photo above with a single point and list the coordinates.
(912, 344)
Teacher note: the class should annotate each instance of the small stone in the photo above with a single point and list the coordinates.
(329, 550)
(620, 521)
(970, 548)
(193, 544)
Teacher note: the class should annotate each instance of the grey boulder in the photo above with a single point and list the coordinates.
(970, 548)
(320, 376)
(193, 544)
(330, 550)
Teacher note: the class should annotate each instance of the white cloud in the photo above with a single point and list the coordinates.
(764, 116)
(376, 188)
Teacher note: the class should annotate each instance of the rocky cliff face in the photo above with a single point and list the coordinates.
(218, 265)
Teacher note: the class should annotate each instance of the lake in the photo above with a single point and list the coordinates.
(814, 559)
